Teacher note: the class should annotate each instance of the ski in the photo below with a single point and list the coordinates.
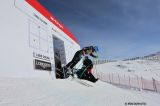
(80, 81)
(83, 83)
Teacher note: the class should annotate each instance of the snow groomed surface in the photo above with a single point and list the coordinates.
(46, 92)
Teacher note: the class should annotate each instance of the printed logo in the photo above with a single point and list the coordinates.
(42, 65)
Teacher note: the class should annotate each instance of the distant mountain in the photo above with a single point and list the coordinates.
(154, 56)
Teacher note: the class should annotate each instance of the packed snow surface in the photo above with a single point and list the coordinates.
(48, 92)
(68, 92)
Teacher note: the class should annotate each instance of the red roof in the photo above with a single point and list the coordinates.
(35, 4)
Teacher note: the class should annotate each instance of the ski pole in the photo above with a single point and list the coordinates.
(83, 71)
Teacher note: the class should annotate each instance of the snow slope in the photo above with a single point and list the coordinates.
(144, 68)
(45, 92)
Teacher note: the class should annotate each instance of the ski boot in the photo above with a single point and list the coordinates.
(70, 72)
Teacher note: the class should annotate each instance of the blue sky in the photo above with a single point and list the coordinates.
(121, 28)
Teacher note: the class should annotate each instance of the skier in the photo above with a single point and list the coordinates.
(90, 50)
(78, 55)
(86, 71)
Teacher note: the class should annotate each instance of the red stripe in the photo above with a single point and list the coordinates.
(50, 17)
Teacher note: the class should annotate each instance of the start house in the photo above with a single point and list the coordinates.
(33, 42)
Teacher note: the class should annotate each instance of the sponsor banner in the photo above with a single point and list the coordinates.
(42, 65)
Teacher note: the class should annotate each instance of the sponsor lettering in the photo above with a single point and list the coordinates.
(42, 65)
(39, 18)
(55, 21)
(40, 56)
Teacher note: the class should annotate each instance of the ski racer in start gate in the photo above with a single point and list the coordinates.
(90, 50)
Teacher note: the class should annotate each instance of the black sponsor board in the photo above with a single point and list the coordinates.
(42, 65)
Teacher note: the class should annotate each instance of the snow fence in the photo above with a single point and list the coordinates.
(137, 83)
